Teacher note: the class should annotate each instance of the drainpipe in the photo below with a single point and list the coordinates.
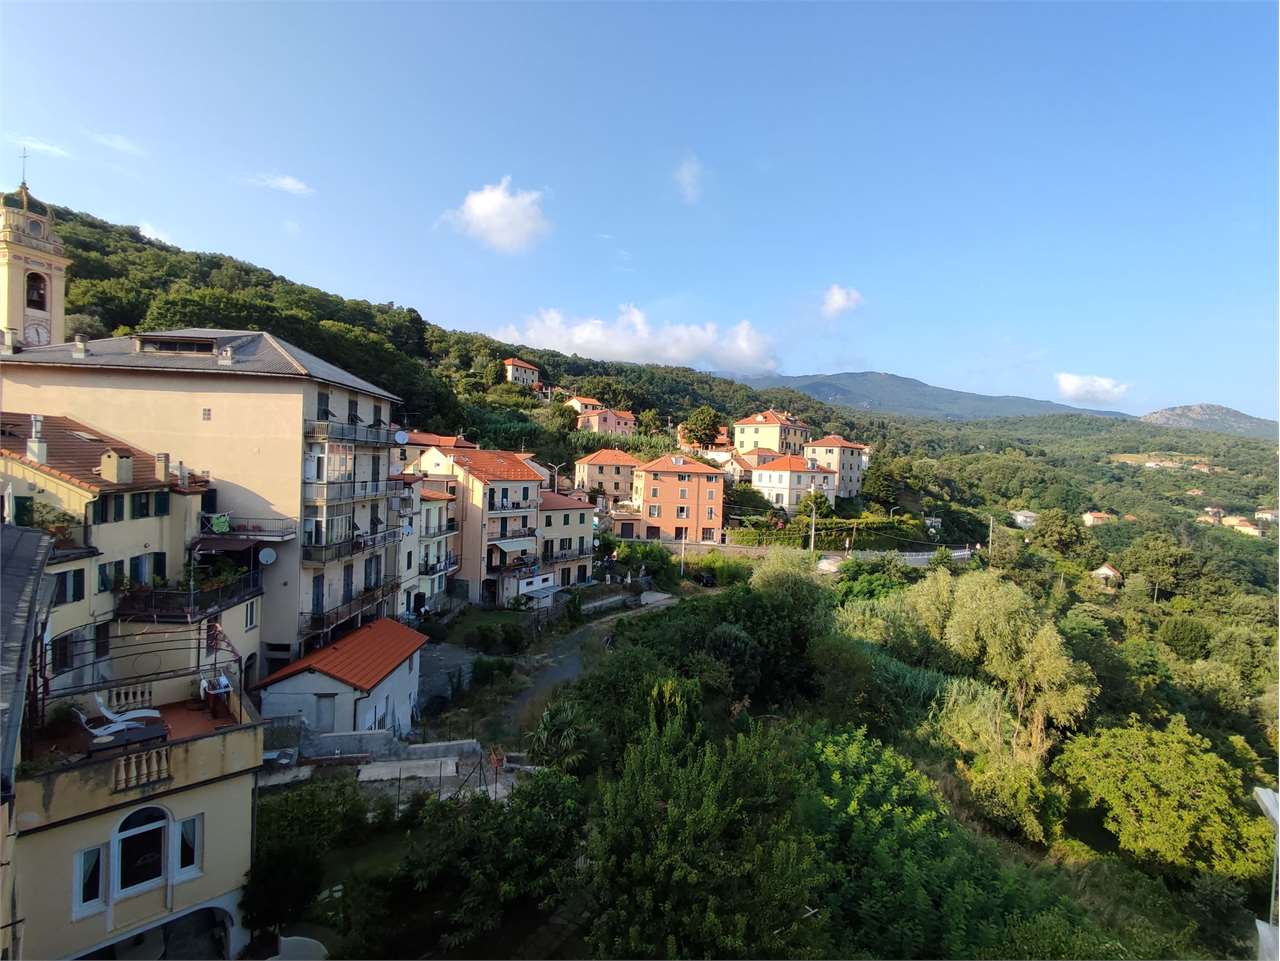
(355, 706)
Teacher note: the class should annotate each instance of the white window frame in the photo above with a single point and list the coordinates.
(119, 893)
(83, 909)
(196, 870)
(251, 615)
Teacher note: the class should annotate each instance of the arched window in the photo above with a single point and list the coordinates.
(37, 292)
(35, 228)
(139, 850)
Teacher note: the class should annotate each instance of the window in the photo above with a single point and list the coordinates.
(582, 517)
(109, 574)
(711, 513)
(108, 509)
(404, 454)
(160, 504)
(206, 413)
(68, 587)
(653, 492)
(600, 469)
(377, 415)
(322, 405)
(566, 520)
(102, 642)
(353, 411)
(684, 493)
(682, 478)
(712, 479)
(524, 493)
(90, 895)
(189, 839)
(708, 534)
(62, 654)
(655, 510)
(711, 495)
(682, 512)
(251, 615)
(37, 292)
(408, 560)
(550, 519)
(160, 565)
(139, 851)
(140, 569)
(140, 505)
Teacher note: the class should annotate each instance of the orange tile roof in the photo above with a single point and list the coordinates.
(495, 465)
(771, 416)
(667, 462)
(555, 502)
(430, 495)
(834, 440)
(610, 455)
(517, 362)
(362, 659)
(793, 463)
(75, 458)
(584, 400)
(425, 438)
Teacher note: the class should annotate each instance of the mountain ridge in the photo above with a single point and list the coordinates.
(1214, 417)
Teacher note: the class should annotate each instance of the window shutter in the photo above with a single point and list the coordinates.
(77, 584)
(160, 503)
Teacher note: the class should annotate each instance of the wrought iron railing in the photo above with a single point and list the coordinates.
(513, 505)
(190, 603)
(512, 532)
(356, 544)
(438, 567)
(357, 433)
(233, 525)
(311, 622)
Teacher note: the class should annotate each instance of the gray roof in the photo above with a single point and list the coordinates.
(252, 352)
(24, 604)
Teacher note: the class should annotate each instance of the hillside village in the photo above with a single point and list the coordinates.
(229, 564)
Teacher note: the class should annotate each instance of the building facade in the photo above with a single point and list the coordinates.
(520, 372)
(844, 457)
(609, 470)
(784, 481)
(608, 421)
(566, 536)
(678, 499)
(776, 430)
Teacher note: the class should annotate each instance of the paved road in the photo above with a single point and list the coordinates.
(830, 560)
(565, 662)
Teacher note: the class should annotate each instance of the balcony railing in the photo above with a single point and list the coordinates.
(439, 531)
(512, 533)
(569, 555)
(334, 491)
(438, 567)
(356, 544)
(312, 622)
(250, 528)
(172, 604)
(510, 505)
(357, 433)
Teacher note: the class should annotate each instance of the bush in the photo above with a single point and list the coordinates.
(486, 670)
(285, 879)
(384, 813)
(513, 638)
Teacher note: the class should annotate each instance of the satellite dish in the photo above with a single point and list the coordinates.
(267, 556)
(407, 530)
(402, 437)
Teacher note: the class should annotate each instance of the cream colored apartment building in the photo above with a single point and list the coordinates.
(567, 538)
(772, 429)
(609, 470)
(784, 481)
(844, 457)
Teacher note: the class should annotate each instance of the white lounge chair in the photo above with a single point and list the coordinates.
(138, 714)
(115, 727)
(300, 949)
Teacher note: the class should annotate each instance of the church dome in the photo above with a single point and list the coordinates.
(21, 199)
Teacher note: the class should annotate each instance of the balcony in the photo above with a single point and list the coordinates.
(313, 622)
(189, 606)
(570, 555)
(441, 531)
(334, 492)
(525, 566)
(357, 544)
(499, 507)
(356, 433)
(69, 773)
(511, 534)
(248, 528)
(438, 567)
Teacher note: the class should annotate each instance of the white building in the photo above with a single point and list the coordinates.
(1025, 519)
(785, 481)
(842, 456)
(365, 681)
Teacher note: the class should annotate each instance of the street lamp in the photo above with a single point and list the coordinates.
(891, 510)
(555, 475)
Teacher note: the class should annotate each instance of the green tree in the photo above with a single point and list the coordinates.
(1188, 636)
(702, 426)
(697, 852)
(1169, 799)
(877, 484)
(1161, 560)
(1062, 533)
(812, 502)
(649, 423)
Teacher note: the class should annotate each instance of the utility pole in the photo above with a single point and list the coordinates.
(991, 534)
(813, 520)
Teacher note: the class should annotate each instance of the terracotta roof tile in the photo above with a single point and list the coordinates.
(517, 362)
(361, 659)
(555, 502)
(772, 417)
(425, 438)
(430, 495)
(667, 462)
(495, 465)
(798, 464)
(834, 440)
(75, 453)
(611, 456)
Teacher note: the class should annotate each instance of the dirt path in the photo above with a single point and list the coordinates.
(565, 662)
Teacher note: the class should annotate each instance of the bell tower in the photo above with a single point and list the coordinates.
(33, 273)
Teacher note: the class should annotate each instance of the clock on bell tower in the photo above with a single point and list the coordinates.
(33, 271)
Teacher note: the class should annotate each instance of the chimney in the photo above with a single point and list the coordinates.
(182, 473)
(77, 348)
(116, 466)
(9, 342)
(162, 468)
(226, 357)
(37, 449)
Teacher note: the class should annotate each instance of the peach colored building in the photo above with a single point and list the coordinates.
(609, 469)
(608, 421)
(679, 499)
(583, 404)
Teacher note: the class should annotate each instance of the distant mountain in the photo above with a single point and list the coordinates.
(871, 390)
(1214, 417)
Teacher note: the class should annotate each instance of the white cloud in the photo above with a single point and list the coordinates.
(291, 227)
(630, 336)
(1090, 388)
(689, 179)
(284, 182)
(117, 142)
(39, 146)
(152, 232)
(508, 221)
(839, 299)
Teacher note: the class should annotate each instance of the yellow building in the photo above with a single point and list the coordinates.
(33, 269)
(847, 459)
(567, 537)
(775, 430)
(296, 446)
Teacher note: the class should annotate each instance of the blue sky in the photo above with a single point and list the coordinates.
(981, 196)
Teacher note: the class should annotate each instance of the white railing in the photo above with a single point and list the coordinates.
(145, 767)
(129, 697)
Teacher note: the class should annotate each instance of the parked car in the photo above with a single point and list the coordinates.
(706, 579)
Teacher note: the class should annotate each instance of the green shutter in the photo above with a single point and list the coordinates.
(117, 505)
(24, 511)
(160, 503)
(160, 565)
(77, 584)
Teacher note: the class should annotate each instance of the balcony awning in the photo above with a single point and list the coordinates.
(545, 591)
(213, 542)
